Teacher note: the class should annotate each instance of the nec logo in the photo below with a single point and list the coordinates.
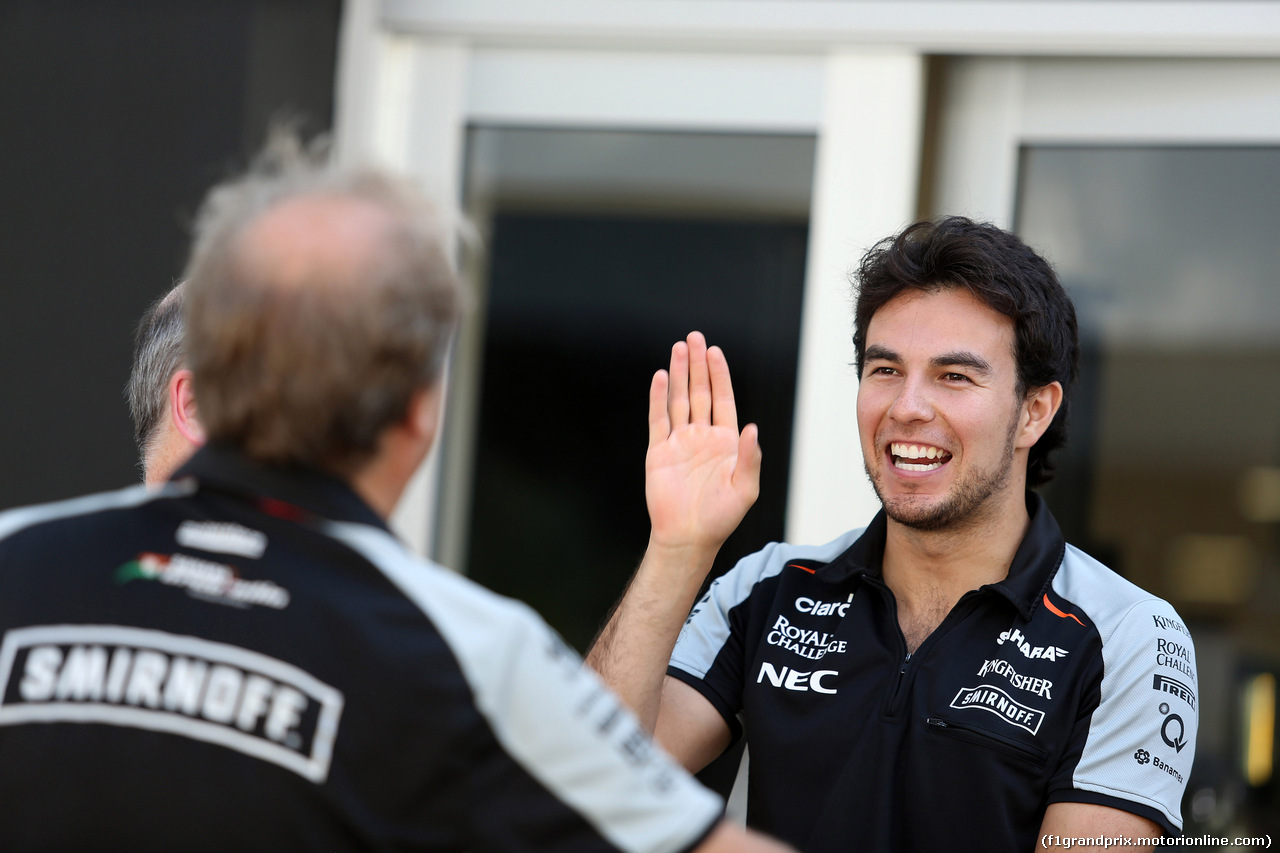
(792, 679)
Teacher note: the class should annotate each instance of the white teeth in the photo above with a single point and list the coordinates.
(907, 466)
(915, 451)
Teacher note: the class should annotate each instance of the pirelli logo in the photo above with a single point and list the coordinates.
(1175, 687)
(152, 680)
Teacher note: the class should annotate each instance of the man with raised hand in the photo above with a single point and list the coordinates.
(246, 658)
(166, 427)
(953, 675)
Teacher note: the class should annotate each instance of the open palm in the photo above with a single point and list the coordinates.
(701, 474)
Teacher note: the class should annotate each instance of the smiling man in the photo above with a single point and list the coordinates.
(954, 675)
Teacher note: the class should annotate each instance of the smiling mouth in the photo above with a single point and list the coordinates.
(917, 457)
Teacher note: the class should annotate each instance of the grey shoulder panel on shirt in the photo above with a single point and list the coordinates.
(707, 628)
(15, 520)
(1142, 735)
(551, 714)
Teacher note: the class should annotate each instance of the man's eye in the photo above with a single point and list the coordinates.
(882, 371)
(955, 377)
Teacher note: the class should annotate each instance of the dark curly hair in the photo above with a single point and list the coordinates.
(1007, 276)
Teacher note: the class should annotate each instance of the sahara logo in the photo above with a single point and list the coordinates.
(204, 579)
(222, 537)
(1029, 651)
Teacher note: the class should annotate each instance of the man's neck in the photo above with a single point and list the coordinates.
(929, 570)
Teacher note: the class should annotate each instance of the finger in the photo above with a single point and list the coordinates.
(746, 474)
(678, 387)
(659, 423)
(724, 412)
(699, 381)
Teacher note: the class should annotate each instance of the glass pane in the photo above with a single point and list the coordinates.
(1173, 472)
(601, 249)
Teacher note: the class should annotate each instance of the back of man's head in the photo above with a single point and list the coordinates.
(158, 352)
(1006, 275)
(320, 300)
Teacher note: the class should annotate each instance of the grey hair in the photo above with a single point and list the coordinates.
(158, 352)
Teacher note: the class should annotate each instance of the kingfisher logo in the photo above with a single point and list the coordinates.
(155, 681)
(996, 701)
(1164, 623)
(1038, 686)
(1029, 651)
(204, 579)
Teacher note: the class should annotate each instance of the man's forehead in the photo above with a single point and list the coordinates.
(933, 324)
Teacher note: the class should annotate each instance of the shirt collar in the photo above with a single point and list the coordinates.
(295, 492)
(1034, 564)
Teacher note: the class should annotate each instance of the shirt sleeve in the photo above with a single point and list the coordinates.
(558, 763)
(586, 771)
(1134, 750)
(710, 652)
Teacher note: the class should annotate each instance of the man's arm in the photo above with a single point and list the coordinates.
(1065, 821)
(727, 838)
(701, 476)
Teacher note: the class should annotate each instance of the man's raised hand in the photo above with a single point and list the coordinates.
(701, 474)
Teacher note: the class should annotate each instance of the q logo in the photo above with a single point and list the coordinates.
(1178, 740)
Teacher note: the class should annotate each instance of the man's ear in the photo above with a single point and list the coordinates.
(182, 407)
(423, 417)
(1037, 413)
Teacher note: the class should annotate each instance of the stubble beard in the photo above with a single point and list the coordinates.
(964, 507)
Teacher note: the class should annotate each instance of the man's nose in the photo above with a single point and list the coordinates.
(913, 402)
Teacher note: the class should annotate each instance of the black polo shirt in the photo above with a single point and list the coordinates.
(248, 660)
(1061, 683)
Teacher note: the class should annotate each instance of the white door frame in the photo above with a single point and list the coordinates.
(414, 73)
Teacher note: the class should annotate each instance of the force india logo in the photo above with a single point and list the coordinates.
(204, 579)
(142, 679)
(996, 701)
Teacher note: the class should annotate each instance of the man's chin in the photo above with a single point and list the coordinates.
(918, 514)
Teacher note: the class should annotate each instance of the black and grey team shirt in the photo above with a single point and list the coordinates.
(247, 659)
(1061, 683)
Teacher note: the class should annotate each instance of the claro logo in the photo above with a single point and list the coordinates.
(822, 608)
(794, 679)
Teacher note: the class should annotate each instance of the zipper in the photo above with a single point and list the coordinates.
(896, 699)
(982, 737)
